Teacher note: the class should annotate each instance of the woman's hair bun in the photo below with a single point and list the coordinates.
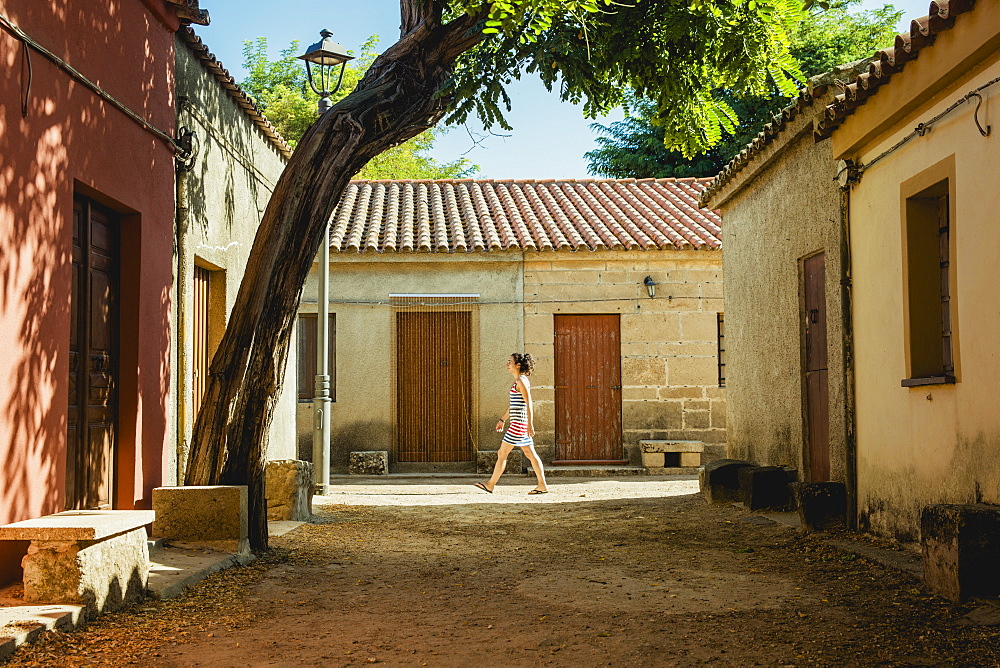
(525, 363)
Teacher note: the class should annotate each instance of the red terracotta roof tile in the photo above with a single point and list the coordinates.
(469, 215)
(865, 79)
(887, 62)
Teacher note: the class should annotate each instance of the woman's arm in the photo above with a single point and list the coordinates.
(524, 387)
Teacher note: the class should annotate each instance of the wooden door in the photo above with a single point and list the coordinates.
(93, 359)
(201, 343)
(588, 397)
(434, 386)
(817, 391)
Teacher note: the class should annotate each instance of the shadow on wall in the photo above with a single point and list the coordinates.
(357, 436)
(35, 269)
(43, 150)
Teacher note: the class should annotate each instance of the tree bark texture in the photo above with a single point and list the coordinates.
(396, 100)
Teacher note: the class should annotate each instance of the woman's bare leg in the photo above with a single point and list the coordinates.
(501, 464)
(536, 464)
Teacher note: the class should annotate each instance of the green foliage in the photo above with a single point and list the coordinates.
(675, 52)
(636, 147)
(281, 89)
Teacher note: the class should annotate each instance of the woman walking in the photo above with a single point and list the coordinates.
(521, 431)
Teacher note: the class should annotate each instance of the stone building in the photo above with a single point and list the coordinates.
(898, 169)
(921, 171)
(435, 283)
(786, 303)
(221, 195)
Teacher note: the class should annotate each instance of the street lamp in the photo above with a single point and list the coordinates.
(325, 55)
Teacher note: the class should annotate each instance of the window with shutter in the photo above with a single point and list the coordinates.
(306, 364)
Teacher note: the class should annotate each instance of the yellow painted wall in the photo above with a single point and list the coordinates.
(938, 443)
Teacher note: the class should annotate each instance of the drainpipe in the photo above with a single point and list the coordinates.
(846, 300)
(321, 398)
(188, 141)
(180, 323)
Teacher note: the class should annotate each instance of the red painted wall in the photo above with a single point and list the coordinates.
(71, 141)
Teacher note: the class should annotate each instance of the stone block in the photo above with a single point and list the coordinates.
(765, 487)
(652, 460)
(643, 372)
(289, 485)
(690, 459)
(697, 420)
(374, 462)
(719, 480)
(487, 459)
(693, 371)
(822, 505)
(210, 516)
(961, 547)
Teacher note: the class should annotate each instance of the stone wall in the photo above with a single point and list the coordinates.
(669, 344)
(783, 207)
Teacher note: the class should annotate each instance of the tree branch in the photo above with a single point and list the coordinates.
(413, 13)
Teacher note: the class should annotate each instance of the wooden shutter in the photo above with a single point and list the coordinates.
(306, 366)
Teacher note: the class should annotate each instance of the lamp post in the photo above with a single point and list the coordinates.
(321, 59)
(324, 56)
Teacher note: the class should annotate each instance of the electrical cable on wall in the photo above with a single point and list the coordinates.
(27, 41)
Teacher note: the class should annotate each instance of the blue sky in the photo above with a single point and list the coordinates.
(549, 137)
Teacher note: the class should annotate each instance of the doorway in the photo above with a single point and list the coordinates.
(92, 423)
(817, 401)
(588, 389)
(434, 386)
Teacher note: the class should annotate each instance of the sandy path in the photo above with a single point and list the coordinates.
(617, 573)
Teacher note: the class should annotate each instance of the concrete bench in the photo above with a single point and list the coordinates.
(658, 454)
(97, 558)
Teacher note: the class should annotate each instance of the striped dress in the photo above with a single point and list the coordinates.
(517, 431)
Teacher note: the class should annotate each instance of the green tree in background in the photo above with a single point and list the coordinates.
(282, 91)
(454, 59)
(634, 147)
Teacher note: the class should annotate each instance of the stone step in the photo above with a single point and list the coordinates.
(593, 471)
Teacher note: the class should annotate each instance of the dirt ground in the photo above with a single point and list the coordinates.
(637, 572)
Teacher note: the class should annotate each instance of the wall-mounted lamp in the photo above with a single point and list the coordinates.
(650, 286)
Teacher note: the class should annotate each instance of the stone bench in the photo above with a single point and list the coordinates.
(97, 558)
(659, 454)
(210, 517)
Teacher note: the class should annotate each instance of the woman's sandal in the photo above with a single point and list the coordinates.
(483, 487)
(538, 491)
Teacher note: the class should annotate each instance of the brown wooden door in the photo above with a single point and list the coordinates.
(817, 392)
(434, 386)
(93, 375)
(200, 341)
(588, 398)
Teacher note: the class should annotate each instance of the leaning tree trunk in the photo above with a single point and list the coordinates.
(396, 100)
